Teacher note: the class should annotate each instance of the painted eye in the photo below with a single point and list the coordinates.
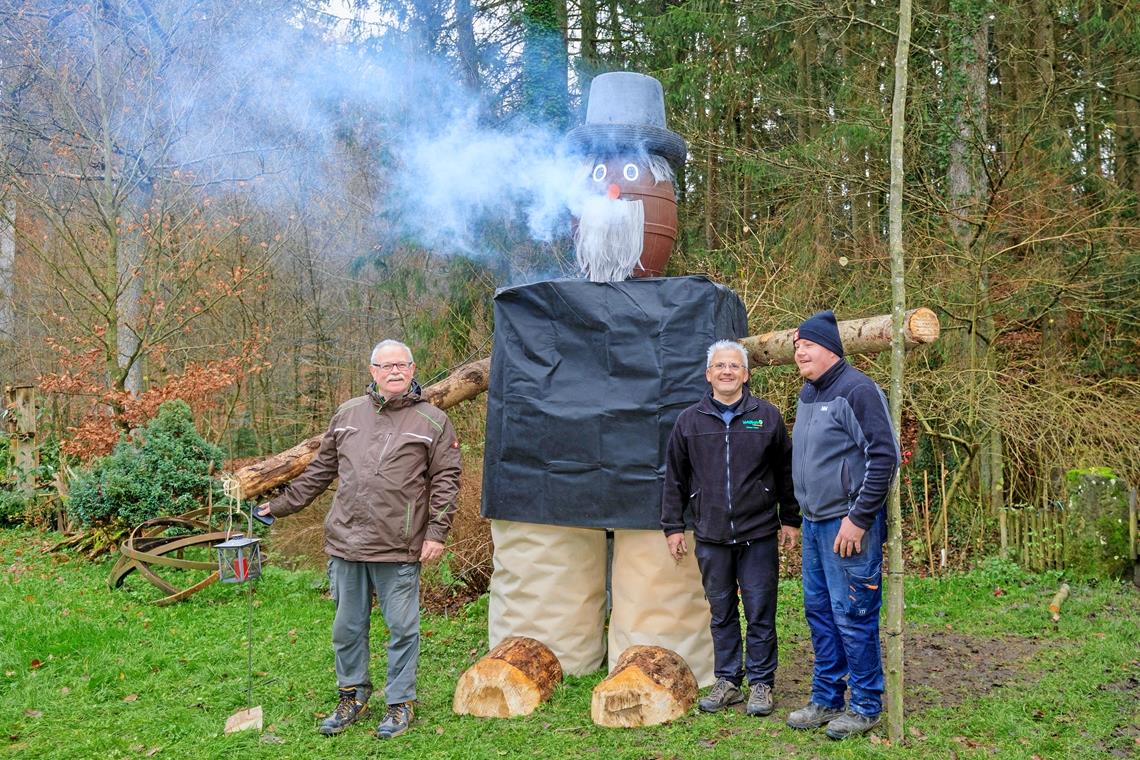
(630, 172)
(599, 172)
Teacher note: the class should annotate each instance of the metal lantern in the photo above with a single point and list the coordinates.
(239, 559)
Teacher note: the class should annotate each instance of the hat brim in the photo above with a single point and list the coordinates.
(611, 139)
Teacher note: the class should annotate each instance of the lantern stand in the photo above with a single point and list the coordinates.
(239, 561)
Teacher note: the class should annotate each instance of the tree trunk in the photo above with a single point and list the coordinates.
(649, 686)
(860, 336)
(895, 663)
(7, 271)
(513, 679)
(465, 44)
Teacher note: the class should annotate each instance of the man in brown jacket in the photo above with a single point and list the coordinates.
(397, 458)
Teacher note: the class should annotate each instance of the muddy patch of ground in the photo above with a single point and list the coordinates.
(943, 667)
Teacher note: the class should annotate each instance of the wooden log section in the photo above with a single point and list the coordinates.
(649, 686)
(253, 480)
(513, 679)
(860, 336)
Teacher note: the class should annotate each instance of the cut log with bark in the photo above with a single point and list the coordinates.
(1058, 599)
(860, 336)
(649, 686)
(253, 480)
(871, 335)
(513, 679)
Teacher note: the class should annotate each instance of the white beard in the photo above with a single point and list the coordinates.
(609, 239)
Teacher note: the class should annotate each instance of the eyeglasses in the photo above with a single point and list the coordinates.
(389, 366)
(722, 366)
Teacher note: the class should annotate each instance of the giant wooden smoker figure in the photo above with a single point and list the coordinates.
(587, 378)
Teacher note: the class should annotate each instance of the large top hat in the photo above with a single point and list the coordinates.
(626, 111)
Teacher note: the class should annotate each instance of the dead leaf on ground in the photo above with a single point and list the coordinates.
(35, 664)
(34, 713)
(131, 698)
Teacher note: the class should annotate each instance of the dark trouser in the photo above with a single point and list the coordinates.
(755, 568)
(842, 598)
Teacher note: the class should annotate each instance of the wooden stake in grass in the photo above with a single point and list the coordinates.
(1058, 599)
(649, 686)
(513, 679)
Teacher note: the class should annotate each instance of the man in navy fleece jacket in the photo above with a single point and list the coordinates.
(844, 456)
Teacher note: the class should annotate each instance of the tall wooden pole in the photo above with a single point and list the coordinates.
(898, 314)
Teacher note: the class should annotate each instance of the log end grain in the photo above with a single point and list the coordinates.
(649, 686)
(514, 678)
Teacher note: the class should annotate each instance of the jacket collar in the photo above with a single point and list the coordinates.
(409, 397)
(748, 403)
(828, 378)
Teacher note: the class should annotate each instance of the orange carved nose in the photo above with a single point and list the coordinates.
(614, 192)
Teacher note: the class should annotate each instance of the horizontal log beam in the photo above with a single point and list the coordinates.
(870, 335)
(860, 336)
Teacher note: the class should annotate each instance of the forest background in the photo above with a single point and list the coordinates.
(230, 203)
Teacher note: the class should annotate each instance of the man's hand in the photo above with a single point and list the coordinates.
(849, 540)
(789, 536)
(676, 543)
(431, 551)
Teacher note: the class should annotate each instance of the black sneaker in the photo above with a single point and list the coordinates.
(397, 720)
(813, 716)
(723, 693)
(353, 705)
(759, 700)
(851, 724)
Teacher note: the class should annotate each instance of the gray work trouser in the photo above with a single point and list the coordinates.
(397, 586)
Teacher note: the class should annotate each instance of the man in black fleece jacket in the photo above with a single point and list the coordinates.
(845, 456)
(729, 462)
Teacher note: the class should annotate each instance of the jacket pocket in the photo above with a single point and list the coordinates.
(695, 506)
(845, 477)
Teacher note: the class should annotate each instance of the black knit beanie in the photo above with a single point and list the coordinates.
(821, 328)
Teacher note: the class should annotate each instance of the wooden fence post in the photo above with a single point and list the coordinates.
(21, 400)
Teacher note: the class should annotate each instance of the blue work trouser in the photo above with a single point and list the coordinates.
(397, 586)
(842, 598)
(754, 567)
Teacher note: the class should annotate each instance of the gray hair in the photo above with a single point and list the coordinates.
(387, 344)
(727, 345)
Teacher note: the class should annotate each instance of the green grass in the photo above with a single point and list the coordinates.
(87, 672)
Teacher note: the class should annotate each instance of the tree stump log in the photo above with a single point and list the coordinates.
(512, 679)
(649, 686)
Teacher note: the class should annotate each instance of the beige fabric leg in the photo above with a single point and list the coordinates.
(659, 602)
(549, 583)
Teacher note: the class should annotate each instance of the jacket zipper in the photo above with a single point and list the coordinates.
(728, 480)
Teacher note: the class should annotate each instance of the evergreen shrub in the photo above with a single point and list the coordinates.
(167, 473)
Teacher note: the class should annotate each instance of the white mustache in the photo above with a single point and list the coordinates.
(610, 237)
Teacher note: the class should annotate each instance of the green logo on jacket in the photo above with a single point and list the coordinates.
(754, 424)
